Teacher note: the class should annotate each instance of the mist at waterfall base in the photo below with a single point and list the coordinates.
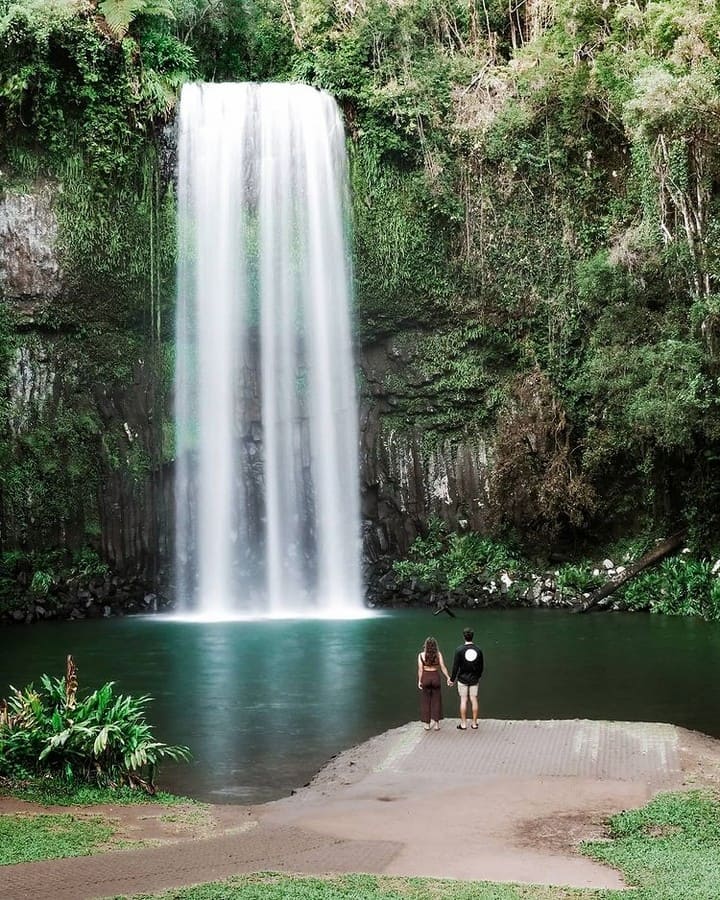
(267, 486)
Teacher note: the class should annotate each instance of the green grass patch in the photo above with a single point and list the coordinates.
(53, 792)
(28, 838)
(669, 849)
(268, 886)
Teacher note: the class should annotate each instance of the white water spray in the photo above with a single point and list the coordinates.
(267, 507)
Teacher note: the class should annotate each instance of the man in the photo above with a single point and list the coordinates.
(467, 668)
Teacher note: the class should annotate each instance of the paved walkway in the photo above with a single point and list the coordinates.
(508, 802)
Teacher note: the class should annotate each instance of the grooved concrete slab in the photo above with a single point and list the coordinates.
(626, 751)
(507, 802)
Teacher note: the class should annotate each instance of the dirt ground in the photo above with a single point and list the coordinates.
(508, 802)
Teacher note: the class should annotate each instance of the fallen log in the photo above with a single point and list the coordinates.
(444, 609)
(658, 553)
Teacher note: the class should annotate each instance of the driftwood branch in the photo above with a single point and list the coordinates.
(652, 557)
(444, 608)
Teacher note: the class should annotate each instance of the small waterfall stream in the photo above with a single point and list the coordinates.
(267, 505)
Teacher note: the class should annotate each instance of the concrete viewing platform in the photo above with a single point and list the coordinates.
(508, 802)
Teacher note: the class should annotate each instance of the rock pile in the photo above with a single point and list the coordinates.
(80, 598)
(386, 589)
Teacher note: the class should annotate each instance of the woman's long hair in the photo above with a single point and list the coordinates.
(431, 652)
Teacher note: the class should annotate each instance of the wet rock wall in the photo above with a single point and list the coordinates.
(83, 406)
(89, 407)
(423, 454)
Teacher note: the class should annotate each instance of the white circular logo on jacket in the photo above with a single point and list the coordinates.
(471, 654)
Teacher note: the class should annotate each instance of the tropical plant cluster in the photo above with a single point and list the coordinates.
(444, 562)
(448, 560)
(62, 584)
(102, 738)
(681, 586)
(41, 572)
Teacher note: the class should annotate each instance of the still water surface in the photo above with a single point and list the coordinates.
(263, 705)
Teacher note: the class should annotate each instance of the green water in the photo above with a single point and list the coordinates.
(263, 705)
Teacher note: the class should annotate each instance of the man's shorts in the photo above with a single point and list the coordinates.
(467, 690)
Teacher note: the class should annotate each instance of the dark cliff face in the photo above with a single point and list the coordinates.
(415, 462)
(101, 477)
(84, 406)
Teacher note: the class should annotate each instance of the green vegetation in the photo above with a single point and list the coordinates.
(267, 886)
(536, 210)
(669, 848)
(50, 791)
(444, 560)
(681, 586)
(441, 560)
(27, 838)
(40, 575)
(100, 739)
(574, 579)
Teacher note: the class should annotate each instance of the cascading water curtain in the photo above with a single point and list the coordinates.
(267, 485)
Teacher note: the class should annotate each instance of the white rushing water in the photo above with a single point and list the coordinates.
(267, 505)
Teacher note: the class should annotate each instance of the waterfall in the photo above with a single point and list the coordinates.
(267, 486)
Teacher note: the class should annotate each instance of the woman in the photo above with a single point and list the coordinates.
(430, 664)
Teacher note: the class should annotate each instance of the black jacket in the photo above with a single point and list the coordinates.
(464, 670)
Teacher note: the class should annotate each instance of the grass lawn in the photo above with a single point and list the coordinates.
(53, 792)
(670, 848)
(267, 886)
(27, 838)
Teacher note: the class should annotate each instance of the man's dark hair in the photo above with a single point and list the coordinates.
(468, 634)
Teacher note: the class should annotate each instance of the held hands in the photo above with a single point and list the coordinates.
(450, 683)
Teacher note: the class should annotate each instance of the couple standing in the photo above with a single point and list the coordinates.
(467, 669)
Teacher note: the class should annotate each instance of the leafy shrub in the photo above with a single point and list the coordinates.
(41, 583)
(88, 564)
(43, 572)
(444, 560)
(680, 586)
(574, 578)
(100, 739)
(119, 14)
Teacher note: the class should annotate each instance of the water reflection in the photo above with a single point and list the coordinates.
(265, 700)
(263, 705)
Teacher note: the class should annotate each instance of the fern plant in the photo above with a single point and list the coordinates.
(120, 14)
(449, 560)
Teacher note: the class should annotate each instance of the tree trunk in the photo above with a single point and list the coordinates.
(651, 557)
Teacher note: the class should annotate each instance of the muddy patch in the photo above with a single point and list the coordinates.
(562, 832)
